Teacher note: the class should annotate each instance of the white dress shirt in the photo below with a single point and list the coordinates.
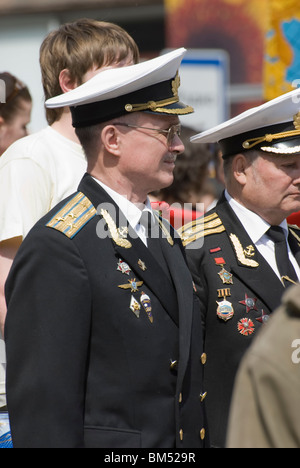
(131, 211)
(257, 228)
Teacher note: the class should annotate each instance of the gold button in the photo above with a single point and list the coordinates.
(203, 358)
(173, 365)
(203, 396)
(181, 435)
(180, 398)
(202, 434)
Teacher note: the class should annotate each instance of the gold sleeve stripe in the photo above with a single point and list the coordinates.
(73, 216)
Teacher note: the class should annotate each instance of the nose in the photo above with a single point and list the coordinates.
(176, 145)
(296, 178)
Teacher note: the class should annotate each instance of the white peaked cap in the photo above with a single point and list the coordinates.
(273, 127)
(147, 86)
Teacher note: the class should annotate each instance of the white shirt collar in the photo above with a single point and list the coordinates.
(131, 211)
(255, 226)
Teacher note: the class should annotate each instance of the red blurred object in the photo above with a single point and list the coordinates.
(294, 219)
(177, 217)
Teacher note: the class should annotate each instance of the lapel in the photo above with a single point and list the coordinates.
(185, 297)
(153, 276)
(179, 308)
(256, 273)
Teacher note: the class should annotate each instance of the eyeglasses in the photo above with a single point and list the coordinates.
(174, 130)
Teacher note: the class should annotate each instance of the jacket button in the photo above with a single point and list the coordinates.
(203, 358)
(202, 434)
(173, 365)
(181, 435)
(202, 396)
(180, 398)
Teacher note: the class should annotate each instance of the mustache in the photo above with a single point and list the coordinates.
(170, 158)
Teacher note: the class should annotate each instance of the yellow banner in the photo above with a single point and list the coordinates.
(282, 63)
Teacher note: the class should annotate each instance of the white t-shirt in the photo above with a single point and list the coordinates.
(36, 173)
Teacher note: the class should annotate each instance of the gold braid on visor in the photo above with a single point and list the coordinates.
(269, 138)
(159, 106)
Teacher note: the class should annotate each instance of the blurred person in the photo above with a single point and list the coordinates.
(109, 354)
(15, 115)
(265, 406)
(40, 170)
(190, 175)
(242, 254)
(15, 112)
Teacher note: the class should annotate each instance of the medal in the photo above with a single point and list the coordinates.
(133, 285)
(225, 276)
(135, 307)
(225, 309)
(123, 267)
(264, 317)
(142, 265)
(246, 327)
(249, 302)
(146, 303)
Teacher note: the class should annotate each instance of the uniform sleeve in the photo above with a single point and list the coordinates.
(25, 196)
(264, 405)
(47, 340)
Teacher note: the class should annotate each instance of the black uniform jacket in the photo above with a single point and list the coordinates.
(100, 347)
(238, 291)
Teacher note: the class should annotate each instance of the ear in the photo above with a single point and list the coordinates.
(239, 168)
(111, 139)
(65, 81)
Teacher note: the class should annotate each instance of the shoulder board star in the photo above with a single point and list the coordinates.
(201, 227)
(73, 216)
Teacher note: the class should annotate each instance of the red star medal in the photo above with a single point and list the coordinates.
(264, 317)
(249, 302)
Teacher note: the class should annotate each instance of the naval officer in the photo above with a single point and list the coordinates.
(103, 324)
(242, 254)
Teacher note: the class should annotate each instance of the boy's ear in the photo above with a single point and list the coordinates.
(66, 82)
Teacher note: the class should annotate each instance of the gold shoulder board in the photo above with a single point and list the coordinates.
(295, 231)
(201, 227)
(73, 216)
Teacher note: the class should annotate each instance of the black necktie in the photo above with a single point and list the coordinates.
(285, 267)
(154, 233)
